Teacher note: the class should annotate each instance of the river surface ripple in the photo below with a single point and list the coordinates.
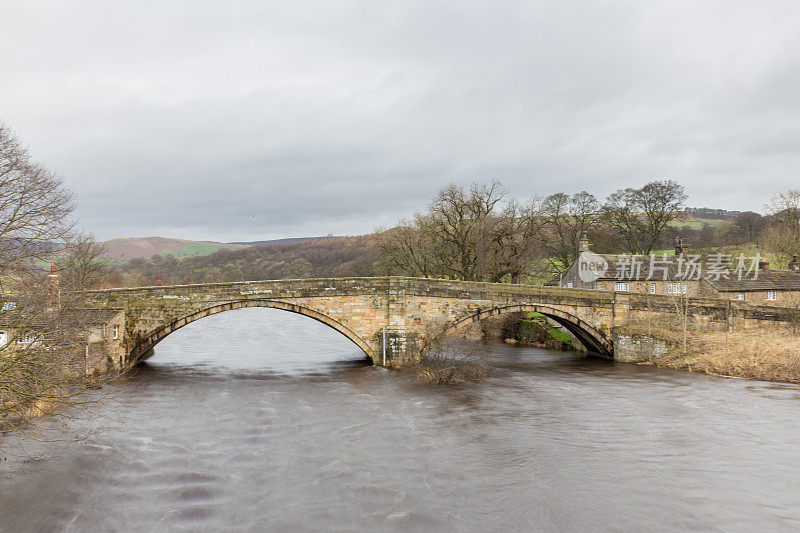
(258, 419)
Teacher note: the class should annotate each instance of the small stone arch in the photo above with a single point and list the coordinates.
(594, 340)
(144, 345)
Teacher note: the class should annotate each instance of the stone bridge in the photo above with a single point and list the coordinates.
(388, 317)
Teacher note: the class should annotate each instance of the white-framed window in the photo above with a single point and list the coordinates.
(676, 288)
(116, 332)
(3, 338)
(772, 295)
(622, 286)
(569, 284)
(8, 306)
(740, 296)
(652, 288)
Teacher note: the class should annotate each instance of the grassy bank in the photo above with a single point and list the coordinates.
(755, 354)
(533, 330)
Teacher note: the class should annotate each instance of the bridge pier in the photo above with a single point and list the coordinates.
(397, 348)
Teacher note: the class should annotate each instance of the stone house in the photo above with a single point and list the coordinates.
(632, 273)
(103, 331)
(771, 287)
(672, 275)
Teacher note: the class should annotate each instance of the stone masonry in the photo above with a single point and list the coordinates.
(410, 310)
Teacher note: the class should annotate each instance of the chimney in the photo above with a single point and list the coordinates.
(584, 247)
(794, 266)
(681, 250)
(54, 294)
(763, 265)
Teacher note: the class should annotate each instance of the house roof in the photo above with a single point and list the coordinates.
(662, 265)
(780, 280)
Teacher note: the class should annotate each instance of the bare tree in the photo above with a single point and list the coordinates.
(447, 360)
(750, 224)
(459, 224)
(466, 234)
(563, 219)
(80, 264)
(681, 301)
(40, 318)
(35, 209)
(407, 249)
(509, 250)
(782, 234)
(640, 216)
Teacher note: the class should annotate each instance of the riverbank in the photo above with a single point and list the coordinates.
(23, 405)
(523, 329)
(737, 353)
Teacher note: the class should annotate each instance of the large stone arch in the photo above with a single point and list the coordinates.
(594, 340)
(145, 344)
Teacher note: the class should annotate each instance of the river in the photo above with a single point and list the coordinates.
(259, 419)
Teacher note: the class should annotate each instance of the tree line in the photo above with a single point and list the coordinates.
(480, 233)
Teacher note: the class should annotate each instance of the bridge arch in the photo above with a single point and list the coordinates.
(592, 338)
(146, 344)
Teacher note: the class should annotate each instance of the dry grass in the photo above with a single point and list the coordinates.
(754, 354)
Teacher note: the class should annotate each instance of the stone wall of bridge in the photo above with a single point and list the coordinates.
(411, 308)
(358, 308)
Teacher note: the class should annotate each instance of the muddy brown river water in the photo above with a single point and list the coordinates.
(258, 419)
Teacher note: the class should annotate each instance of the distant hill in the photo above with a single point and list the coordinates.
(689, 221)
(697, 217)
(325, 258)
(710, 213)
(128, 248)
(281, 241)
(146, 247)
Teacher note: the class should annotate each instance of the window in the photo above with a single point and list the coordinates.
(740, 296)
(652, 288)
(676, 288)
(622, 286)
(3, 338)
(8, 306)
(772, 295)
(116, 332)
(569, 284)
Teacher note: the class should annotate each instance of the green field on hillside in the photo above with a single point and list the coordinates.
(698, 223)
(193, 249)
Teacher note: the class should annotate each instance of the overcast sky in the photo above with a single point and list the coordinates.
(252, 120)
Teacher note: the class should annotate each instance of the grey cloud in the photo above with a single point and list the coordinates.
(252, 120)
